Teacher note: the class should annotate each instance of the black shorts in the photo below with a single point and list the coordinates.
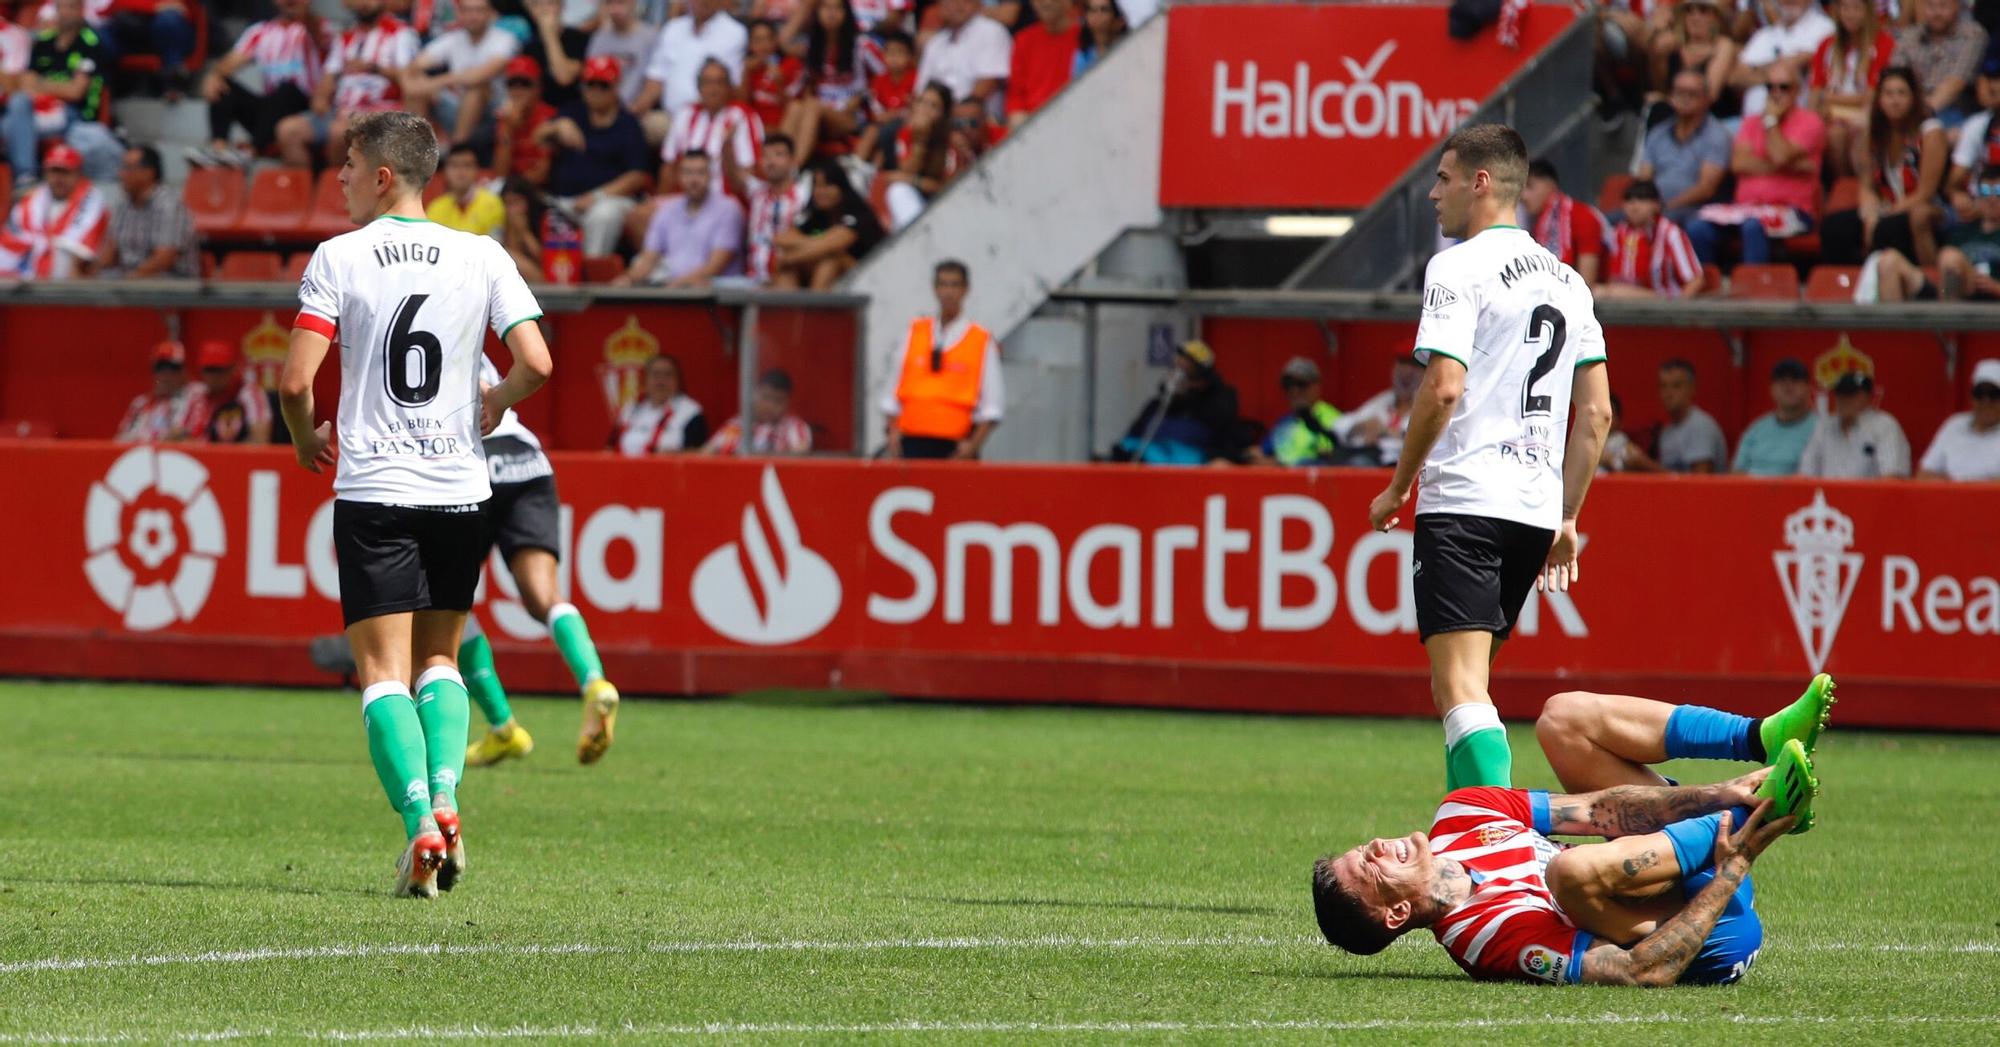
(396, 558)
(524, 512)
(1474, 572)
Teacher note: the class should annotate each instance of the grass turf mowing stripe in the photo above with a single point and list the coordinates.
(1051, 943)
(584, 1031)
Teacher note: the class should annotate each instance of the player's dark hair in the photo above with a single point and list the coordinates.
(1496, 149)
(777, 379)
(149, 158)
(895, 36)
(1678, 364)
(403, 142)
(952, 265)
(1642, 189)
(783, 139)
(1544, 169)
(1343, 919)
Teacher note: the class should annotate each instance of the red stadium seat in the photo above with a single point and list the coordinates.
(280, 200)
(1711, 279)
(602, 269)
(214, 196)
(329, 208)
(1777, 283)
(1832, 283)
(1611, 196)
(295, 266)
(1845, 196)
(208, 265)
(251, 265)
(6, 182)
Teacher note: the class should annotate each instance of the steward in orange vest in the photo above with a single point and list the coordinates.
(947, 395)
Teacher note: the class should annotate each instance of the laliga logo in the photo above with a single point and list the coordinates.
(142, 481)
(1818, 574)
(800, 594)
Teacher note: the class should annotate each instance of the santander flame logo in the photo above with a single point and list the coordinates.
(131, 565)
(789, 593)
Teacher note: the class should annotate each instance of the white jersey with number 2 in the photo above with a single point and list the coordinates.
(1521, 322)
(412, 301)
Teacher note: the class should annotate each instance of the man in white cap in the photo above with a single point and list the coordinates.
(1967, 445)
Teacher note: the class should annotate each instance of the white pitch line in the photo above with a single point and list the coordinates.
(1050, 943)
(581, 1031)
(1057, 943)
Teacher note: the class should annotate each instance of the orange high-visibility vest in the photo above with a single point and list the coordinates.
(939, 403)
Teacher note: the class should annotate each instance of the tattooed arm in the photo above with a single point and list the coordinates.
(1632, 810)
(1663, 956)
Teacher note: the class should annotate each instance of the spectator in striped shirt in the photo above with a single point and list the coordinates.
(717, 125)
(1571, 229)
(152, 234)
(1650, 255)
(288, 52)
(234, 408)
(777, 201)
(166, 413)
(772, 429)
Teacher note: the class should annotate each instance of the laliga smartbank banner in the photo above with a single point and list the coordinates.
(1255, 589)
(1319, 105)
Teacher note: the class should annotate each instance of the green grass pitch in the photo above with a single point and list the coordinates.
(215, 864)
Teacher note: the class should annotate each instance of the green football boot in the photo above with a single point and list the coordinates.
(1792, 788)
(1801, 721)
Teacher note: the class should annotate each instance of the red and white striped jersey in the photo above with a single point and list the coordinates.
(389, 44)
(45, 238)
(1509, 927)
(1898, 177)
(286, 53)
(151, 419)
(870, 13)
(733, 128)
(227, 419)
(1660, 258)
(772, 212)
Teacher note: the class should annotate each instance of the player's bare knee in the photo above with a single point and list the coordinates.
(1565, 716)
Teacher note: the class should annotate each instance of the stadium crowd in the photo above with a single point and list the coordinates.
(652, 142)
(1856, 137)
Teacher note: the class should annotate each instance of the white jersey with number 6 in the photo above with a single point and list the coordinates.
(411, 301)
(1521, 322)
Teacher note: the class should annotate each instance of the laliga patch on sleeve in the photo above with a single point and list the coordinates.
(1540, 961)
(1438, 298)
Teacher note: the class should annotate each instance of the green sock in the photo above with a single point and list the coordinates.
(1480, 758)
(396, 745)
(573, 640)
(446, 716)
(475, 660)
(1475, 748)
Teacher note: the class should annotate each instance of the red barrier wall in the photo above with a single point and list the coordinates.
(1237, 589)
(77, 368)
(1913, 381)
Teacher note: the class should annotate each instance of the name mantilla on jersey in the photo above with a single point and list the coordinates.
(1523, 265)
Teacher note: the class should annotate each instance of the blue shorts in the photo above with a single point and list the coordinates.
(1732, 947)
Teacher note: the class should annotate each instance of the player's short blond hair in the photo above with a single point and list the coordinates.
(1496, 149)
(402, 142)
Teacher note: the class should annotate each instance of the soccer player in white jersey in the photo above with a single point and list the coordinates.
(410, 301)
(525, 520)
(1509, 338)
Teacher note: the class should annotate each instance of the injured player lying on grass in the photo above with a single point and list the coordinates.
(1665, 900)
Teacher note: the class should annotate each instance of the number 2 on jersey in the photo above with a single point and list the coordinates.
(413, 361)
(1546, 329)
